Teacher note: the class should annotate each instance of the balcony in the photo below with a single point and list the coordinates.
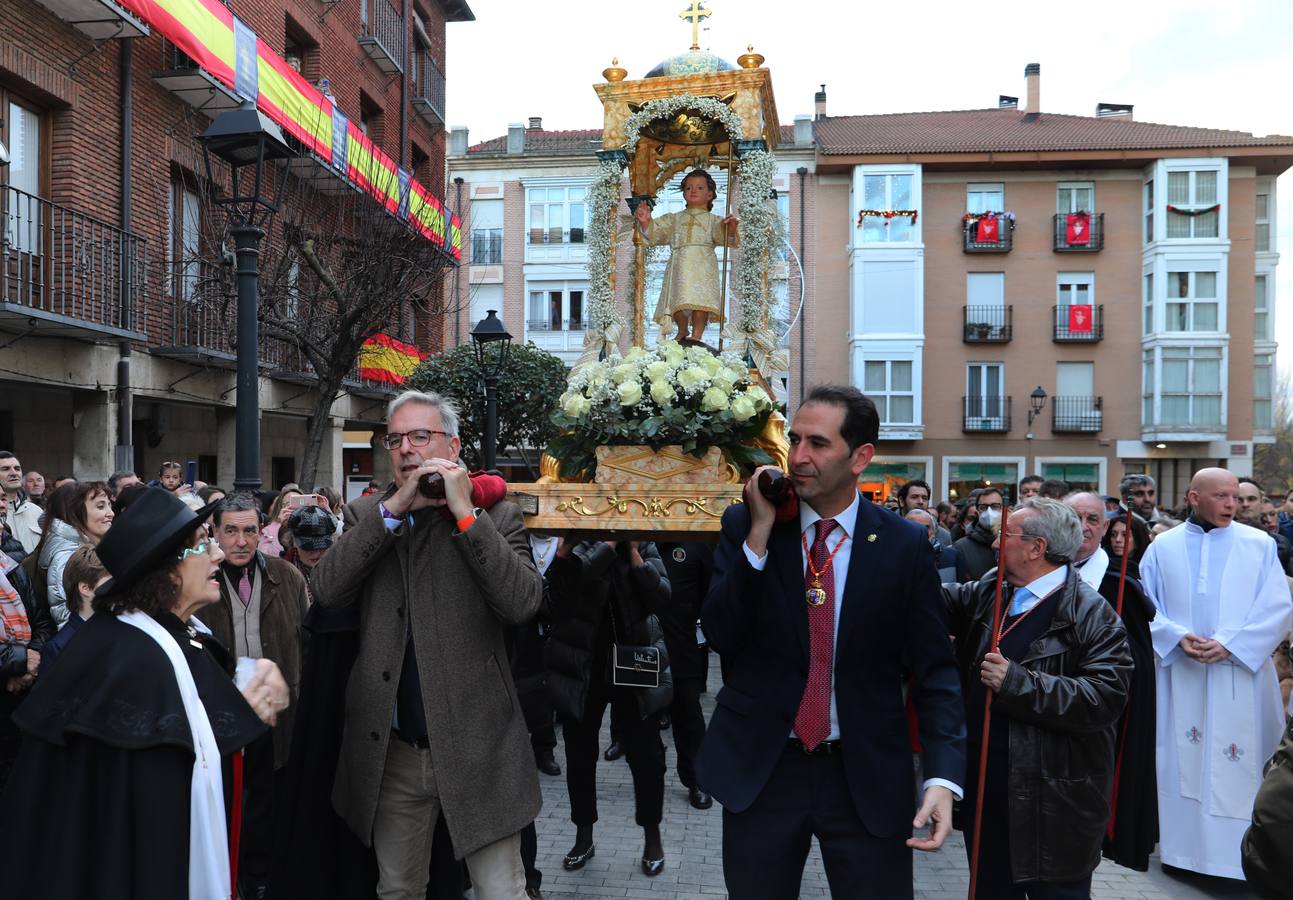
(987, 324)
(102, 20)
(193, 84)
(1004, 236)
(382, 35)
(428, 89)
(1077, 415)
(556, 235)
(67, 274)
(546, 325)
(1065, 318)
(1084, 239)
(985, 415)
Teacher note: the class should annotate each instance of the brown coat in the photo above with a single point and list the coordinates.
(283, 605)
(460, 593)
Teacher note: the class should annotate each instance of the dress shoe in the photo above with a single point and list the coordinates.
(576, 858)
(546, 763)
(699, 798)
(653, 867)
(614, 751)
(665, 721)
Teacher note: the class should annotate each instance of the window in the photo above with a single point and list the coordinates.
(556, 309)
(1075, 288)
(1191, 386)
(1263, 390)
(1078, 476)
(1262, 233)
(1148, 383)
(1261, 310)
(301, 50)
(1147, 305)
(1191, 193)
(782, 251)
(889, 384)
(981, 198)
(1149, 211)
(1075, 197)
(185, 238)
(1191, 301)
(487, 232)
(556, 215)
(370, 117)
(983, 390)
(964, 477)
(420, 163)
(882, 479)
(985, 289)
(24, 214)
(887, 192)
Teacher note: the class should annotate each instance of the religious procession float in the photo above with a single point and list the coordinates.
(659, 435)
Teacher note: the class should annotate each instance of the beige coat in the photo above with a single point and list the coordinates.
(460, 593)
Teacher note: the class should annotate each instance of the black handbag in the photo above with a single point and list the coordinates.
(635, 665)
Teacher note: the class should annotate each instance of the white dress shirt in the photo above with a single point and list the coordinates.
(845, 525)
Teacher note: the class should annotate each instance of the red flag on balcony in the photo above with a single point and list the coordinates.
(987, 231)
(1077, 229)
(1081, 319)
(382, 358)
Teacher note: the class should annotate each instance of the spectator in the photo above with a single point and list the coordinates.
(119, 481)
(34, 484)
(1054, 489)
(1030, 486)
(946, 517)
(25, 631)
(279, 510)
(82, 518)
(336, 505)
(24, 516)
(944, 556)
(966, 517)
(1115, 542)
(1250, 501)
(1141, 494)
(915, 495)
(1267, 863)
(974, 552)
(81, 577)
(211, 494)
(62, 480)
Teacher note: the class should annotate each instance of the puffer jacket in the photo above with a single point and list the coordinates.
(1063, 700)
(975, 554)
(13, 656)
(583, 590)
(62, 541)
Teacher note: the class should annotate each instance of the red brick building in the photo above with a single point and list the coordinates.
(100, 110)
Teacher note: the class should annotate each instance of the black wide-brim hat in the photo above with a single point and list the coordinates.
(155, 526)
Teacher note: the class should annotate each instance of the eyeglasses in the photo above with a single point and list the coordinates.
(204, 547)
(982, 506)
(418, 437)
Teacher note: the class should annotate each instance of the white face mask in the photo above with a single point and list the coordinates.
(989, 518)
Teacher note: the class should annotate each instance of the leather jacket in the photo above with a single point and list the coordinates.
(1064, 700)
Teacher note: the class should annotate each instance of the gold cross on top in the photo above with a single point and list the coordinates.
(695, 14)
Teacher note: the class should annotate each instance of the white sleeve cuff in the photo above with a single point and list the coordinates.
(943, 782)
(756, 562)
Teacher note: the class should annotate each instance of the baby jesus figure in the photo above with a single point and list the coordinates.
(691, 291)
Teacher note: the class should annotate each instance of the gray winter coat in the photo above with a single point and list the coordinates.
(62, 540)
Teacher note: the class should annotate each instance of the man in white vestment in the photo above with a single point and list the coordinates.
(1223, 606)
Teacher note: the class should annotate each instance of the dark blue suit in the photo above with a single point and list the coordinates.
(891, 627)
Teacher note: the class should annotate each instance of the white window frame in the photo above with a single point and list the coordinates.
(858, 189)
(1147, 210)
(885, 225)
(985, 187)
(1148, 321)
(565, 288)
(1192, 301)
(1262, 306)
(1159, 173)
(1020, 463)
(1265, 188)
(889, 393)
(1152, 389)
(1065, 298)
(1040, 463)
(1268, 425)
(1074, 186)
(565, 204)
(984, 365)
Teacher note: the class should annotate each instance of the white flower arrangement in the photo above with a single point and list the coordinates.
(758, 232)
(667, 107)
(604, 317)
(670, 395)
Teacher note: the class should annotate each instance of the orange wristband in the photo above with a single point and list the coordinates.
(466, 521)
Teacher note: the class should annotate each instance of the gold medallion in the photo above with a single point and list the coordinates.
(815, 596)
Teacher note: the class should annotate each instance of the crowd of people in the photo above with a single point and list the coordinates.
(278, 694)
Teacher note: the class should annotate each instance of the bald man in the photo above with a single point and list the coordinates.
(1222, 608)
(944, 555)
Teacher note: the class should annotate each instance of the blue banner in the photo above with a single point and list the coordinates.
(246, 75)
(340, 142)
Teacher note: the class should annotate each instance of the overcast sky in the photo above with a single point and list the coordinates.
(1184, 62)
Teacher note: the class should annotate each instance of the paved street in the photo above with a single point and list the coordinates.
(692, 842)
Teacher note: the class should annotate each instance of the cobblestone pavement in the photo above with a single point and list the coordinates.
(693, 849)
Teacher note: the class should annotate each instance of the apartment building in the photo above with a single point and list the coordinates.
(103, 361)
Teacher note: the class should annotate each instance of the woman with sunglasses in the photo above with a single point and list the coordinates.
(128, 745)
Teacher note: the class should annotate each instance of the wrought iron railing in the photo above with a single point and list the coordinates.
(1087, 236)
(428, 87)
(988, 324)
(985, 415)
(385, 25)
(487, 246)
(1083, 415)
(67, 263)
(1077, 324)
(1003, 243)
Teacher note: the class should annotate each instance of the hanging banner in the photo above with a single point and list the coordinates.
(246, 69)
(1077, 229)
(987, 230)
(1081, 319)
(383, 358)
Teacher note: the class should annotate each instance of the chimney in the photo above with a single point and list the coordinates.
(1033, 76)
(1004, 102)
(458, 140)
(536, 124)
(819, 103)
(515, 138)
(803, 131)
(1113, 111)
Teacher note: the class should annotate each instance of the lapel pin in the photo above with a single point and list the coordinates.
(870, 538)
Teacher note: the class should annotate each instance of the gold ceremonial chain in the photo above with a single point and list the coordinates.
(816, 594)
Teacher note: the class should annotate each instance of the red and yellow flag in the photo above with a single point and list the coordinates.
(382, 358)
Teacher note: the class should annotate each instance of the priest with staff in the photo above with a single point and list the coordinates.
(1222, 607)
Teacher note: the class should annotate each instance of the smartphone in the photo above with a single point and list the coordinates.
(297, 501)
(191, 472)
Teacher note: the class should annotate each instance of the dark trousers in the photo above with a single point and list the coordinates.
(688, 726)
(994, 860)
(529, 857)
(255, 851)
(765, 847)
(544, 737)
(642, 746)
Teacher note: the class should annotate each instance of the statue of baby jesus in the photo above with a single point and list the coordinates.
(691, 291)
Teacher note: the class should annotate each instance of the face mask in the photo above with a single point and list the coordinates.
(989, 518)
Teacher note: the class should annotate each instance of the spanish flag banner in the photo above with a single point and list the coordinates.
(207, 32)
(382, 358)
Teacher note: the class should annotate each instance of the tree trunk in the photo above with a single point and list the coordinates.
(320, 424)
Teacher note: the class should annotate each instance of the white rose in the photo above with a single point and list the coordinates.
(758, 395)
(623, 372)
(634, 354)
(662, 392)
(724, 381)
(710, 363)
(713, 400)
(673, 353)
(743, 409)
(630, 393)
(575, 405)
(656, 370)
(692, 376)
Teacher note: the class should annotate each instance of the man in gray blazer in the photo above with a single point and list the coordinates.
(433, 725)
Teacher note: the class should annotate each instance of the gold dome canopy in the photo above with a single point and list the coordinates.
(692, 62)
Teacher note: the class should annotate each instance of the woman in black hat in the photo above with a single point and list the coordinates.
(128, 743)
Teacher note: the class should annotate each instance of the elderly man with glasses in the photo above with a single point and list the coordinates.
(432, 723)
(1058, 669)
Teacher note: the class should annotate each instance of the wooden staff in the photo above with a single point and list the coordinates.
(1126, 555)
(1122, 737)
(993, 645)
(235, 837)
(722, 272)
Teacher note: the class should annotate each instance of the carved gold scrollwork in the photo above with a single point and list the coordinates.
(652, 507)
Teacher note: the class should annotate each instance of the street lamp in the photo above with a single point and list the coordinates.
(245, 137)
(1036, 403)
(491, 361)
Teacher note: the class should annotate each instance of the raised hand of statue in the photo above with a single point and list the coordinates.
(730, 223)
(643, 214)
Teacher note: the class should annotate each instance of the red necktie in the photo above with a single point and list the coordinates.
(244, 589)
(813, 721)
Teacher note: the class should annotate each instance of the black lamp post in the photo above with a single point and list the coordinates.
(492, 344)
(246, 138)
(1036, 403)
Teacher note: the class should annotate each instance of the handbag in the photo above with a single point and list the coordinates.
(633, 665)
